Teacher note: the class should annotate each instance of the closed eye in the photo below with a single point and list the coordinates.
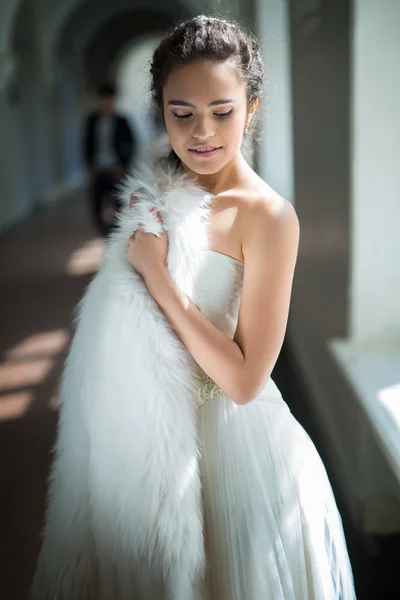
(182, 117)
(224, 115)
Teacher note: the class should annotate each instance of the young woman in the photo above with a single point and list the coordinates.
(270, 526)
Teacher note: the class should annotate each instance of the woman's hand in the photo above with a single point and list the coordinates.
(147, 252)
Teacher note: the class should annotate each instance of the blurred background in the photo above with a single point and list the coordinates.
(329, 141)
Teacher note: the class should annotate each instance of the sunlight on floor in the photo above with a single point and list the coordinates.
(23, 373)
(14, 406)
(39, 345)
(86, 260)
(55, 401)
(28, 364)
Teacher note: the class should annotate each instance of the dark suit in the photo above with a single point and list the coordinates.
(104, 181)
(123, 142)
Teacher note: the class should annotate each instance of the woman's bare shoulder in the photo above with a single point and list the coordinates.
(264, 209)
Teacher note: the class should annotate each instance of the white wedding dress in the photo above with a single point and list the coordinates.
(150, 486)
(272, 528)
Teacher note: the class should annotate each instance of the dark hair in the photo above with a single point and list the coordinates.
(107, 89)
(210, 39)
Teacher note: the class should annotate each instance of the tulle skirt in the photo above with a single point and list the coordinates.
(272, 528)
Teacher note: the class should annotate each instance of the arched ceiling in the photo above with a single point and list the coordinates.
(69, 24)
(99, 29)
(109, 41)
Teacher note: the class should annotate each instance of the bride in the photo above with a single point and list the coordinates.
(222, 496)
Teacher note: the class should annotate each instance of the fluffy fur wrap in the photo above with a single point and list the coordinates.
(124, 495)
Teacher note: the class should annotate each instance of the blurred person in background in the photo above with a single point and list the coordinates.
(109, 147)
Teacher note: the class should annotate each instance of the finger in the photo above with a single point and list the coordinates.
(157, 214)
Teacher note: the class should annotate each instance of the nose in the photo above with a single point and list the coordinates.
(204, 128)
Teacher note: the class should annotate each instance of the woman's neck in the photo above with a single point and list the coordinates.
(230, 176)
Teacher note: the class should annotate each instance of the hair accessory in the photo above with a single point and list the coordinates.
(205, 19)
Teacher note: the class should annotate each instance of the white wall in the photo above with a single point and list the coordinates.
(134, 87)
(370, 354)
(326, 279)
(25, 141)
(8, 10)
(15, 194)
(375, 282)
(276, 148)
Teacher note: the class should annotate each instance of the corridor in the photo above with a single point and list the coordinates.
(41, 262)
(326, 139)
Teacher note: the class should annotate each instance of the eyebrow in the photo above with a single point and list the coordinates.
(190, 105)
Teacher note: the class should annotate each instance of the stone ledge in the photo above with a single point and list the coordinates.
(373, 369)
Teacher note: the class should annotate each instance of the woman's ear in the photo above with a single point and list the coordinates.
(252, 110)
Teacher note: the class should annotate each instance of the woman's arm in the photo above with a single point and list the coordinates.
(241, 366)
(270, 251)
(219, 356)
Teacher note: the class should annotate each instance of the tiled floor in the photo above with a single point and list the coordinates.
(44, 266)
(36, 304)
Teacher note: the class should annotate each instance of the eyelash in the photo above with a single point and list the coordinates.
(219, 115)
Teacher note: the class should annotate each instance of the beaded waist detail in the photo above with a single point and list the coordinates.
(208, 389)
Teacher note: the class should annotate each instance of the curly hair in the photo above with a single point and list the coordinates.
(212, 39)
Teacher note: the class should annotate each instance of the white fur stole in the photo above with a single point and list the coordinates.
(124, 491)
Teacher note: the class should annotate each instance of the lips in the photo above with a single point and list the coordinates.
(204, 151)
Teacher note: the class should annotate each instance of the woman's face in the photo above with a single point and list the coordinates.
(206, 111)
